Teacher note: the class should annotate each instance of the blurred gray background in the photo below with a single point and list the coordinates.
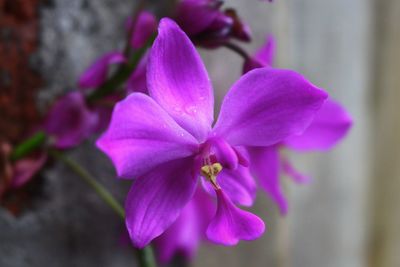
(348, 216)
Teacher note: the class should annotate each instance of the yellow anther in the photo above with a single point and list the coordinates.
(211, 171)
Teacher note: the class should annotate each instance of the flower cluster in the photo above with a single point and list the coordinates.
(208, 25)
(166, 141)
(193, 173)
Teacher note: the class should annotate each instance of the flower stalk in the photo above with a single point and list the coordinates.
(103, 193)
(121, 75)
(28, 146)
(145, 256)
(237, 49)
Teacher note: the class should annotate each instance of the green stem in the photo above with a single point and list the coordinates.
(91, 181)
(28, 146)
(120, 76)
(145, 255)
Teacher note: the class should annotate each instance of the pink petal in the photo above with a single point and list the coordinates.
(242, 155)
(96, 74)
(103, 109)
(178, 81)
(237, 184)
(156, 200)
(266, 54)
(195, 16)
(251, 64)
(242, 31)
(137, 82)
(145, 26)
(267, 105)
(225, 154)
(217, 33)
(186, 233)
(222, 24)
(263, 58)
(265, 165)
(330, 125)
(296, 176)
(142, 135)
(25, 169)
(70, 121)
(181, 238)
(231, 224)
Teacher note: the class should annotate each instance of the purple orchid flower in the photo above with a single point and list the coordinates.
(144, 27)
(330, 125)
(16, 174)
(240, 30)
(96, 74)
(137, 81)
(207, 25)
(196, 16)
(69, 121)
(165, 141)
(264, 57)
(25, 169)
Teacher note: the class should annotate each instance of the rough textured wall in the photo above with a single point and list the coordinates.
(19, 37)
(332, 45)
(69, 225)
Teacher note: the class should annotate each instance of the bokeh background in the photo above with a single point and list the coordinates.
(348, 216)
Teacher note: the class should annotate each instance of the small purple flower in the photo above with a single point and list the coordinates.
(166, 140)
(195, 16)
(145, 26)
(16, 174)
(137, 81)
(330, 125)
(24, 169)
(207, 25)
(96, 74)
(240, 30)
(70, 121)
(264, 57)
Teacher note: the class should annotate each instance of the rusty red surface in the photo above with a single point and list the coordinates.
(18, 81)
